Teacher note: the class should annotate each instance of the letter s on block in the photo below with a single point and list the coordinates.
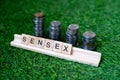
(25, 39)
(48, 44)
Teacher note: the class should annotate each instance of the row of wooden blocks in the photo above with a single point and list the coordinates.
(48, 44)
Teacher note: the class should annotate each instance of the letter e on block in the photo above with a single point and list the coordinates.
(40, 42)
(57, 46)
(67, 48)
(48, 44)
(32, 41)
(25, 39)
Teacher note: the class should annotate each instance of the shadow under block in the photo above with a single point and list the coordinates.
(78, 55)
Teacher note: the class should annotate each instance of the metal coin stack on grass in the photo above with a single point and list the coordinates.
(72, 34)
(55, 30)
(38, 24)
(89, 40)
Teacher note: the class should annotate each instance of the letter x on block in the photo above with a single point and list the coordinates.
(67, 48)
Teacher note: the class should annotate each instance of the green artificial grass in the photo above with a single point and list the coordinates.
(100, 16)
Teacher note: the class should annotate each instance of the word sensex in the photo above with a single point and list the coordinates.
(47, 44)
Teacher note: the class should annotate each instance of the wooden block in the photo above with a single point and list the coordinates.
(25, 39)
(48, 44)
(57, 46)
(67, 48)
(40, 42)
(32, 40)
(78, 55)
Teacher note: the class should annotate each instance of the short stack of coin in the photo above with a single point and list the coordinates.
(89, 40)
(54, 31)
(72, 34)
(38, 24)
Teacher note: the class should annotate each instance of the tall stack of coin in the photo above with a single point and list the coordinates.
(38, 24)
(72, 34)
(55, 30)
(89, 40)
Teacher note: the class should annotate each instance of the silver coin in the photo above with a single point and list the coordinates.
(54, 30)
(89, 40)
(38, 24)
(72, 34)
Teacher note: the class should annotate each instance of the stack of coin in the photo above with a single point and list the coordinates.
(38, 24)
(55, 30)
(89, 40)
(72, 34)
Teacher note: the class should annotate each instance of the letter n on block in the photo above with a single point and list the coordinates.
(57, 46)
(40, 42)
(48, 44)
(67, 48)
(25, 39)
